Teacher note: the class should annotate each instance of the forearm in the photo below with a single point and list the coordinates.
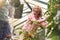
(43, 23)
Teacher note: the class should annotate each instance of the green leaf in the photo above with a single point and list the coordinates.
(49, 28)
(20, 32)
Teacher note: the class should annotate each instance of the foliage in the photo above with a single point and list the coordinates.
(53, 27)
(33, 34)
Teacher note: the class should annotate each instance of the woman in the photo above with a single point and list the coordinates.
(35, 20)
(5, 33)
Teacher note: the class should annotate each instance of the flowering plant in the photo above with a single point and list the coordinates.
(53, 11)
(32, 29)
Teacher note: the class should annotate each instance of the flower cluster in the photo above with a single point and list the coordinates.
(31, 28)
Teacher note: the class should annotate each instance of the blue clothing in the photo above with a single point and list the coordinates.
(4, 25)
(4, 29)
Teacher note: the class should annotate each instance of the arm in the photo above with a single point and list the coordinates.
(43, 22)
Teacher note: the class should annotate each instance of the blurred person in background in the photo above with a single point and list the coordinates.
(5, 31)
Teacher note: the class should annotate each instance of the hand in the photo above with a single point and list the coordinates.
(44, 24)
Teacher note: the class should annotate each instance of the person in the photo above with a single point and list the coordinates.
(35, 15)
(34, 21)
(5, 33)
